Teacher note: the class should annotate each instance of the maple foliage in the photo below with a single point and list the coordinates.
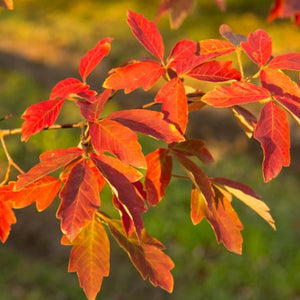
(110, 153)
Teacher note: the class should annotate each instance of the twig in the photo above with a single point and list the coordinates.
(6, 117)
(180, 176)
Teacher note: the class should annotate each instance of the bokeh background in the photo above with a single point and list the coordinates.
(41, 42)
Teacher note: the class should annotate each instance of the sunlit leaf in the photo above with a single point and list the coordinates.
(9, 4)
(198, 206)
(289, 61)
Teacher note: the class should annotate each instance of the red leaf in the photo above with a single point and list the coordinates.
(212, 48)
(221, 4)
(194, 147)
(148, 122)
(50, 161)
(111, 136)
(258, 47)
(92, 111)
(197, 176)
(7, 216)
(42, 192)
(124, 190)
(9, 4)
(146, 255)
(90, 258)
(66, 87)
(245, 119)
(138, 74)
(248, 196)
(39, 116)
(178, 10)
(93, 57)
(237, 93)
(80, 200)
(175, 108)
(146, 33)
(132, 174)
(285, 90)
(198, 206)
(158, 175)
(233, 38)
(272, 131)
(284, 9)
(215, 71)
(289, 61)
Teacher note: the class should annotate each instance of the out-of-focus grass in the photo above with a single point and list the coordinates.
(269, 267)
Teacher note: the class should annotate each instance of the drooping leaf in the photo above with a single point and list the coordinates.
(248, 196)
(272, 131)
(178, 10)
(174, 103)
(215, 71)
(198, 206)
(146, 255)
(7, 215)
(197, 176)
(9, 4)
(93, 57)
(146, 33)
(289, 61)
(158, 175)
(109, 135)
(238, 93)
(66, 87)
(42, 192)
(138, 74)
(258, 47)
(284, 9)
(80, 200)
(39, 116)
(148, 122)
(194, 147)
(50, 161)
(245, 118)
(92, 111)
(124, 190)
(90, 257)
(234, 38)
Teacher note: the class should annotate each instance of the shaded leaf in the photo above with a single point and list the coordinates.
(221, 4)
(124, 190)
(92, 111)
(93, 57)
(39, 116)
(146, 255)
(174, 103)
(289, 61)
(109, 135)
(138, 74)
(234, 38)
(80, 200)
(90, 257)
(248, 196)
(148, 122)
(50, 161)
(245, 118)
(238, 93)
(194, 147)
(272, 131)
(146, 33)
(258, 47)
(215, 71)
(284, 9)
(158, 175)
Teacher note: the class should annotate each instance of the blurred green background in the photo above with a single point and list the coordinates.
(41, 42)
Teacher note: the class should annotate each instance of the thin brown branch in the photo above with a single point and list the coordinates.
(180, 176)
(6, 117)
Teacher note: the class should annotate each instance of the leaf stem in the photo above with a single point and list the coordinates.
(180, 176)
(239, 59)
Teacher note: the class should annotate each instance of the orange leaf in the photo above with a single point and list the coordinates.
(175, 108)
(272, 131)
(146, 255)
(9, 4)
(80, 200)
(90, 257)
(138, 74)
(93, 57)
(111, 136)
(146, 33)
(198, 206)
(248, 196)
(212, 48)
(50, 161)
(158, 175)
